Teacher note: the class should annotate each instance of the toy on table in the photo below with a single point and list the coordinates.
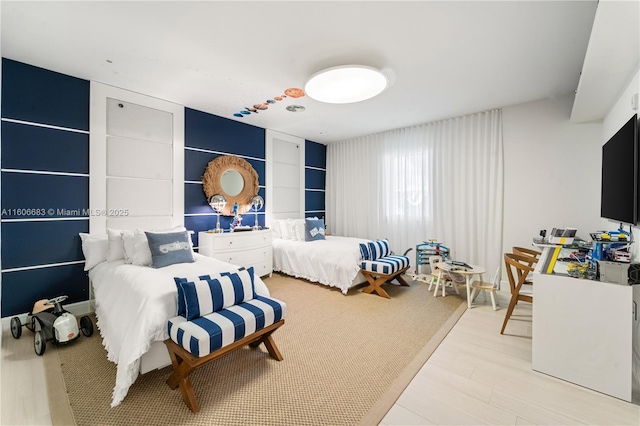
(237, 217)
(51, 322)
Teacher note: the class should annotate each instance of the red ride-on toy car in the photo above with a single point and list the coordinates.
(51, 322)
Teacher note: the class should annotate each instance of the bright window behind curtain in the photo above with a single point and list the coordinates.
(407, 188)
(440, 180)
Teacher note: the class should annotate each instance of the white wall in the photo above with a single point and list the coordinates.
(552, 171)
(618, 115)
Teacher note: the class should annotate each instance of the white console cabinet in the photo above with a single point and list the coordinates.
(587, 332)
(249, 248)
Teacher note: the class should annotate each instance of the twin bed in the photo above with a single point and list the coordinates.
(133, 303)
(333, 261)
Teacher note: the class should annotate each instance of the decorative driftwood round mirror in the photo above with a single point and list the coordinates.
(232, 177)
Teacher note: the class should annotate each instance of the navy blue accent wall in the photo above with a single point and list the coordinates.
(47, 196)
(17, 297)
(41, 96)
(52, 241)
(315, 173)
(315, 155)
(40, 147)
(206, 137)
(210, 132)
(44, 184)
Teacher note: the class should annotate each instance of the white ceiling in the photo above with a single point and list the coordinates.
(611, 61)
(445, 59)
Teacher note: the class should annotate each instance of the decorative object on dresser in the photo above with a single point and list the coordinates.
(235, 179)
(243, 249)
(217, 203)
(256, 204)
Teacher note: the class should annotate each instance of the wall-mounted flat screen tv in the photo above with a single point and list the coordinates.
(620, 161)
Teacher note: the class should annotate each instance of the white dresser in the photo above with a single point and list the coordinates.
(248, 248)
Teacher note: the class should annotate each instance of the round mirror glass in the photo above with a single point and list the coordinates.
(232, 182)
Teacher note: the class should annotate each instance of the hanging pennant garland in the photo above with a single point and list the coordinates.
(292, 92)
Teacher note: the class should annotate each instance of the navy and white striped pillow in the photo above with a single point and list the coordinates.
(364, 251)
(379, 248)
(211, 293)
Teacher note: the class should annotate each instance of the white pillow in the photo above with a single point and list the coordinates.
(275, 227)
(299, 229)
(284, 229)
(116, 248)
(95, 249)
(128, 238)
(142, 253)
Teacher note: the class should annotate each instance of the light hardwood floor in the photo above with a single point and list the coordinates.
(476, 376)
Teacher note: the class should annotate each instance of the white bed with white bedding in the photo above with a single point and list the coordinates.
(133, 305)
(333, 261)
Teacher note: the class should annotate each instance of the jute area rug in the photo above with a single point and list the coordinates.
(346, 360)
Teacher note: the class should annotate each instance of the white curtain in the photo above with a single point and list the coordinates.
(441, 180)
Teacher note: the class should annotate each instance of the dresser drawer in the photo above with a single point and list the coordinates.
(241, 240)
(252, 248)
(245, 257)
(263, 268)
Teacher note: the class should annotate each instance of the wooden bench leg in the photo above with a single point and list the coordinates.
(180, 378)
(184, 362)
(273, 350)
(401, 280)
(376, 280)
(375, 284)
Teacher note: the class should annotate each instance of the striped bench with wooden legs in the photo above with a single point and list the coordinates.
(384, 270)
(217, 314)
(184, 362)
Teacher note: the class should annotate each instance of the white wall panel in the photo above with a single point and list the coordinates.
(139, 197)
(286, 175)
(287, 200)
(119, 140)
(286, 151)
(138, 122)
(137, 158)
(129, 222)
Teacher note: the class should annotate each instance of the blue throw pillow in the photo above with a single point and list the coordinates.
(170, 248)
(182, 307)
(379, 248)
(212, 293)
(314, 229)
(364, 251)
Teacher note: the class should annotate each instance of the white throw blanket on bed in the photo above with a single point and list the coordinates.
(334, 261)
(133, 305)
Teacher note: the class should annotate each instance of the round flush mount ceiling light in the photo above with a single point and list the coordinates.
(346, 84)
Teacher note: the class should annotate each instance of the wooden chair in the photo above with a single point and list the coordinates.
(491, 287)
(527, 252)
(533, 256)
(519, 264)
(436, 273)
